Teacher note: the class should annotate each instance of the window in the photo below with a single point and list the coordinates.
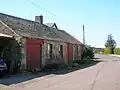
(76, 52)
(50, 50)
(77, 49)
(61, 50)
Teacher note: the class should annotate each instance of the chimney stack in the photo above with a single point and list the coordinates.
(39, 19)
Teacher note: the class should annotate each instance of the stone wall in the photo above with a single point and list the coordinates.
(74, 52)
(80, 52)
(77, 52)
(56, 58)
(23, 54)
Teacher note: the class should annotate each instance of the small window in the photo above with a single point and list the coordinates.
(61, 50)
(50, 50)
(76, 52)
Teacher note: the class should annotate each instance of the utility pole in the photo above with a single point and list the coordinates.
(83, 35)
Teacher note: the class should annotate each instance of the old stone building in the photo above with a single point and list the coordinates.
(33, 45)
(74, 47)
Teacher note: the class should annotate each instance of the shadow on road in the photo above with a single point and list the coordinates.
(22, 77)
(19, 78)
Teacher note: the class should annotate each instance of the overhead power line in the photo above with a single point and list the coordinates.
(40, 7)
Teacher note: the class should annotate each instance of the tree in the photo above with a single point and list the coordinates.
(110, 43)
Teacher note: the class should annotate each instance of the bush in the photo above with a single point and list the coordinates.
(88, 52)
(107, 51)
(86, 60)
(117, 51)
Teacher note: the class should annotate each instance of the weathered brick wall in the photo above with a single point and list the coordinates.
(56, 56)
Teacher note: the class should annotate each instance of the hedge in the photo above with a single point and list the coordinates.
(117, 51)
(107, 51)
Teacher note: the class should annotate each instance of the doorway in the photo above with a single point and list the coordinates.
(34, 56)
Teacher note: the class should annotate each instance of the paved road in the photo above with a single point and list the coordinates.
(102, 76)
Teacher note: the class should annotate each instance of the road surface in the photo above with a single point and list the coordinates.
(105, 75)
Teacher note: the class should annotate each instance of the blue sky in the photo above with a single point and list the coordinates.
(100, 17)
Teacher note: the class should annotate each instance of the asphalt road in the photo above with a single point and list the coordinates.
(105, 75)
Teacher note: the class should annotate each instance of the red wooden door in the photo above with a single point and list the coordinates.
(70, 53)
(33, 56)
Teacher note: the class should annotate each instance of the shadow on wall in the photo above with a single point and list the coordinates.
(19, 78)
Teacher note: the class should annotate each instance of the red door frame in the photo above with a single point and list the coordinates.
(69, 52)
(34, 47)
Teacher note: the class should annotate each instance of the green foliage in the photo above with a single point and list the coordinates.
(99, 52)
(107, 51)
(110, 43)
(117, 51)
(77, 64)
(88, 52)
(86, 60)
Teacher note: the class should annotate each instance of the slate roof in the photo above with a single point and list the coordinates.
(29, 28)
(64, 35)
(69, 38)
(33, 29)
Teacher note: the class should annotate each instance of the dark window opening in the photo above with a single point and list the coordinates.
(50, 50)
(61, 50)
(76, 52)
